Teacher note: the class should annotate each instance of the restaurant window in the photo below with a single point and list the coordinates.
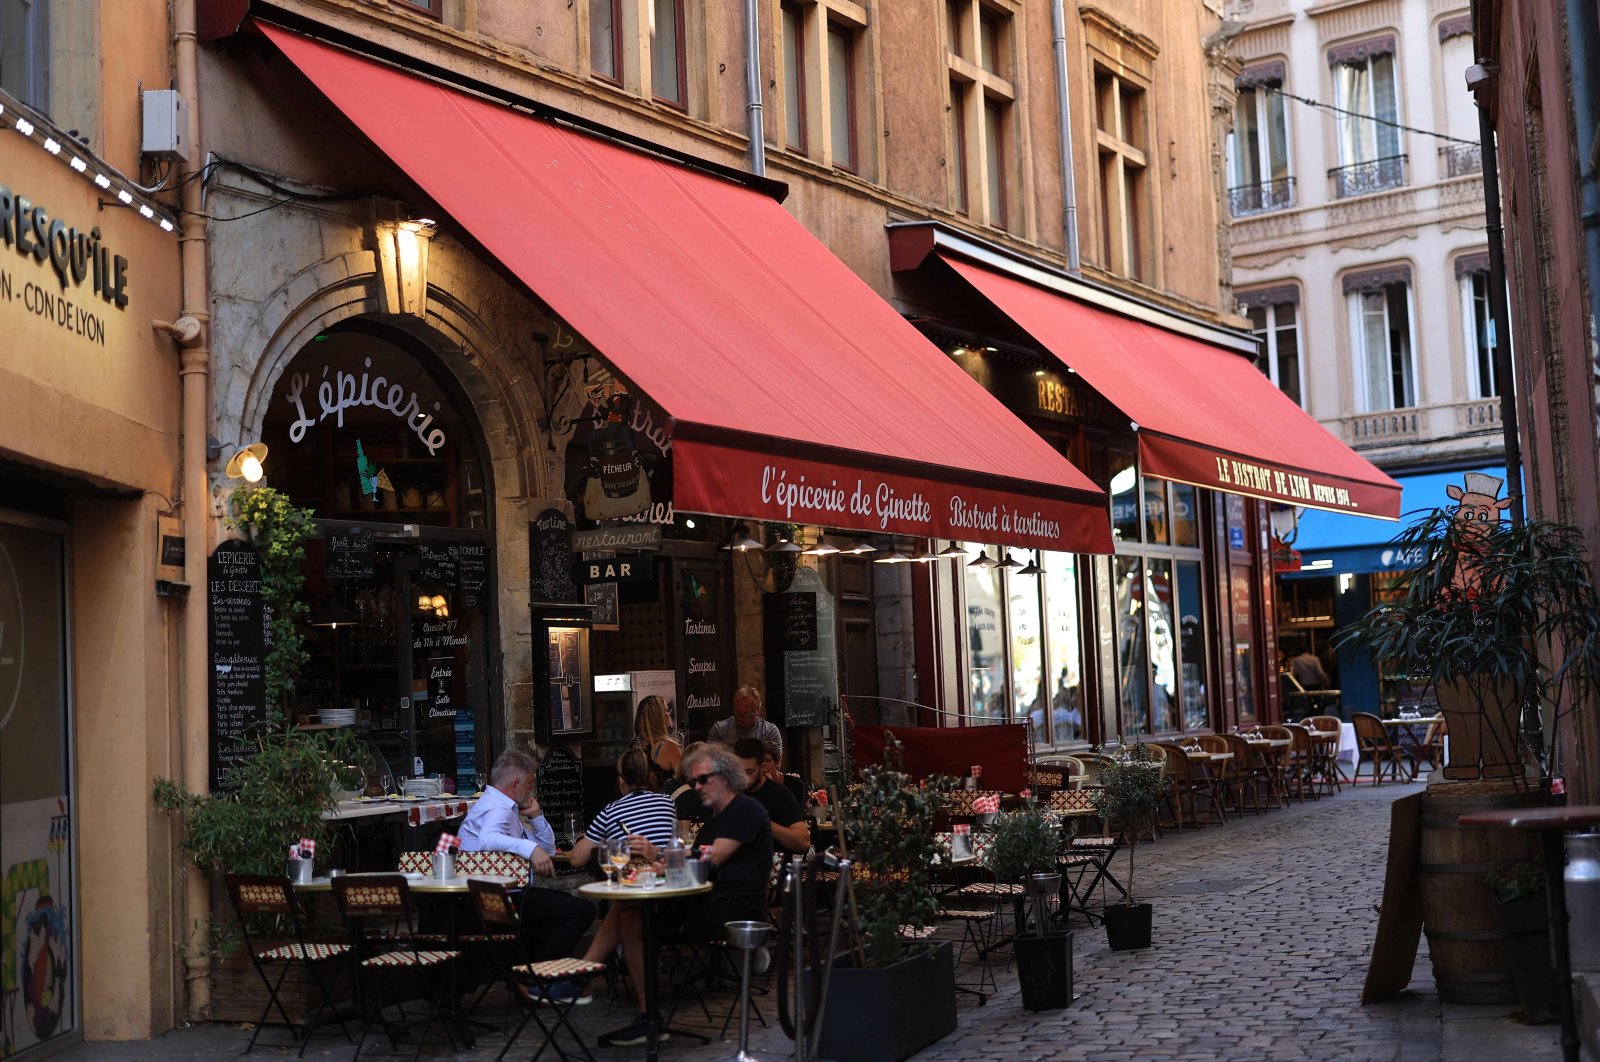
(1120, 137)
(1258, 151)
(1381, 326)
(38, 831)
(1367, 126)
(981, 112)
(25, 51)
(667, 74)
(1158, 602)
(794, 77)
(1479, 330)
(399, 578)
(1024, 643)
(605, 39)
(1277, 331)
(842, 95)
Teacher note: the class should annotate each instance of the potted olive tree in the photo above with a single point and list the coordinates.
(1501, 620)
(1026, 847)
(895, 995)
(1129, 794)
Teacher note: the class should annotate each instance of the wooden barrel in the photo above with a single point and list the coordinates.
(1468, 948)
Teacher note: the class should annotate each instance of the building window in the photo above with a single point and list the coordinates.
(981, 97)
(1158, 603)
(667, 74)
(25, 51)
(1368, 133)
(605, 39)
(1120, 135)
(1480, 334)
(1381, 327)
(431, 8)
(842, 95)
(1258, 151)
(1460, 112)
(1024, 647)
(1277, 330)
(794, 77)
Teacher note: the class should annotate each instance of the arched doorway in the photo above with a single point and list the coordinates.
(367, 429)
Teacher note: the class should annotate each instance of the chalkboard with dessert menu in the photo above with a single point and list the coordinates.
(560, 787)
(237, 662)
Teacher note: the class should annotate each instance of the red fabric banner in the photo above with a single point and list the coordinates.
(1001, 750)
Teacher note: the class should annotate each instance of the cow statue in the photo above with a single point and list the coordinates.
(1478, 748)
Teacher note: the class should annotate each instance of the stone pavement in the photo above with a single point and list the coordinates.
(1262, 933)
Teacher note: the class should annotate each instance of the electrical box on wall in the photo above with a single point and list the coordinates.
(166, 124)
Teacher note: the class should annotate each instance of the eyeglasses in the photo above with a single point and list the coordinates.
(701, 779)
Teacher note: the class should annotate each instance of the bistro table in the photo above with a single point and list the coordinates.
(1552, 824)
(648, 898)
(1407, 735)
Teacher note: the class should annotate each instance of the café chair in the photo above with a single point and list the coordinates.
(389, 961)
(1276, 757)
(1301, 763)
(498, 916)
(1226, 775)
(1372, 739)
(1430, 747)
(1254, 772)
(270, 895)
(1327, 752)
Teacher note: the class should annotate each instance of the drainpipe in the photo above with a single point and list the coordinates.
(1583, 37)
(194, 490)
(1069, 190)
(752, 87)
(1504, 374)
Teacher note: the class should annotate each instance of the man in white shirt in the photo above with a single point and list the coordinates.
(506, 818)
(746, 722)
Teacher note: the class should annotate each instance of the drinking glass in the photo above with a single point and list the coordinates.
(483, 781)
(620, 854)
(572, 827)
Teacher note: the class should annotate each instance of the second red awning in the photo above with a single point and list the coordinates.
(1205, 415)
(795, 392)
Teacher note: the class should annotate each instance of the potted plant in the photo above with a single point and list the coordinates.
(893, 996)
(1525, 922)
(1129, 794)
(1026, 847)
(1499, 619)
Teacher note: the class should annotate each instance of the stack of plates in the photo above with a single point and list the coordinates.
(338, 716)
(422, 787)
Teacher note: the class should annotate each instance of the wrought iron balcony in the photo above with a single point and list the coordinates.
(1462, 159)
(1364, 178)
(1260, 198)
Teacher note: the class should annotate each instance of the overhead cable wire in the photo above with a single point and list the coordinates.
(1273, 89)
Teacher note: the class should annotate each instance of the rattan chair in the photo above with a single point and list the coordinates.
(1372, 739)
(1276, 757)
(1255, 773)
(1327, 752)
(254, 895)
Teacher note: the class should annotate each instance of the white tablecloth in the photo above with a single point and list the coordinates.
(1348, 751)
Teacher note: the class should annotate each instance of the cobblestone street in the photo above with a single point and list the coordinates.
(1261, 939)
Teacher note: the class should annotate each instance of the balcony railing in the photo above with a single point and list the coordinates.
(1462, 159)
(1364, 178)
(1259, 198)
(1365, 430)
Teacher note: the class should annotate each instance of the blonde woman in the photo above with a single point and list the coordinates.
(652, 732)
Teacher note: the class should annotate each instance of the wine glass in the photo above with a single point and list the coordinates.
(620, 853)
(572, 827)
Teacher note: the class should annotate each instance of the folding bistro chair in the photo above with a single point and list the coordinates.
(386, 960)
(504, 929)
(1372, 739)
(262, 894)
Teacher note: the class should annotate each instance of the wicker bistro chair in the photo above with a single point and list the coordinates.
(1326, 753)
(498, 916)
(1277, 758)
(1302, 764)
(386, 961)
(256, 894)
(1372, 739)
(1227, 776)
(1254, 773)
(1093, 763)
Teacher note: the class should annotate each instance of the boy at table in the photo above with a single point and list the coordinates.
(738, 837)
(506, 818)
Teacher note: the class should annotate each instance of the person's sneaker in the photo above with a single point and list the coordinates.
(630, 1035)
(761, 961)
(566, 992)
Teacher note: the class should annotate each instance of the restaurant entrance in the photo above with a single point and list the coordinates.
(399, 580)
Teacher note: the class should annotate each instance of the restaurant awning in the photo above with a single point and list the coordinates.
(1204, 415)
(795, 392)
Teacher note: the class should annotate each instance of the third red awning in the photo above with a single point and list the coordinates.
(1205, 415)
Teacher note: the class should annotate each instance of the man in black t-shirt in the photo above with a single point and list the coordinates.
(789, 829)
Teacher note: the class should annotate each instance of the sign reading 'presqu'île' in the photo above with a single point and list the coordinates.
(63, 272)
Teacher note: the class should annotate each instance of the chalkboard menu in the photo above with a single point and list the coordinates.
(550, 560)
(239, 642)
(350, 555)
(438, 563)
(472, 572)
(561, 787)
(802, 653)
(700, 663)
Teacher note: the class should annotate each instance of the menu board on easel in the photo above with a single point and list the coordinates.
(802, 653)
(561, 787)
(238, 640)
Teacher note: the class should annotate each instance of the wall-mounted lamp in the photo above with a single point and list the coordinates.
(1285, 520)
(246, 463)
(741, 542)
(894, 556)
(820, 549)
(782, 545)
(861, 546)
(923, 554)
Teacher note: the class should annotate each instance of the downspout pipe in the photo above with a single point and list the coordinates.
(1583, 36)
(194, 368)
(752, 87)
(1069, 189)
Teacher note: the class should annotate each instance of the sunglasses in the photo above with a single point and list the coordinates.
(701, 779)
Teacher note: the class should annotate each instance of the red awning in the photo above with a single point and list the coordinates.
(796, 393)
(1205, 415)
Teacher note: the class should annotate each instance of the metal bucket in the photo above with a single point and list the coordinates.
(444, 865)
(699, 871)
(301, 871)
